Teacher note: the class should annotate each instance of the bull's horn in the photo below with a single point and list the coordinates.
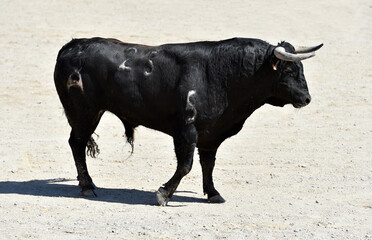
(280, 53)
(308, 49)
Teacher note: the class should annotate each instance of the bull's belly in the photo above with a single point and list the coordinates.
(150, 114)
(141, 99)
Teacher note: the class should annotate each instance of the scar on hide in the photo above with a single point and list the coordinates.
(190, 108)
(131, 51)
(124, 67)
(148, 67)
(74, 80)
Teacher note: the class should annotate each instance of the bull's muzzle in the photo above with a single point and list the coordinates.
(304, 102)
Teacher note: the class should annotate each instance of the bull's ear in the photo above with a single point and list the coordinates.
(274, 63)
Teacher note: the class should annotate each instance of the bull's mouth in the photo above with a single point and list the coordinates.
(301, 105)
(298, 105)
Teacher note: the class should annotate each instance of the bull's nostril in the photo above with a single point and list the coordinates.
(307, 101)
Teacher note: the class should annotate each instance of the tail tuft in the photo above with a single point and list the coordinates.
(92, 148)
(129, 133)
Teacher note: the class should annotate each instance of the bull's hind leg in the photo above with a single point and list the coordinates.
(184, 144)
(78, 142)
(207, 160)
(83, 119)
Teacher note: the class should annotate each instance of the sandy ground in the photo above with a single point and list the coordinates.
(288, 174)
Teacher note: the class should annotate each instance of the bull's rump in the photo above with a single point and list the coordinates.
(134, 82)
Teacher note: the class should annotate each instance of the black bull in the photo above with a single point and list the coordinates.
(199, 93)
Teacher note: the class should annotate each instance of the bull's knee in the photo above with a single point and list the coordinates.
(72, 141)
(76, 143)
(184, 170)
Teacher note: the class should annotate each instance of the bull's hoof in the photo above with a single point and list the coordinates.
(162, 197)
(88, 193)
(216, 199)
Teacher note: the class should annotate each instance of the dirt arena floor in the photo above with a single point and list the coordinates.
(289, 174)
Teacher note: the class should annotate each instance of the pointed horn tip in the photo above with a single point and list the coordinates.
(308, 49)
(281, 54)
(318, 47)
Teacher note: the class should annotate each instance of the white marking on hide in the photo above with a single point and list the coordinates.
(189, 94)
(151, 65)
(123, 67)
(153, 54)
(190, 107)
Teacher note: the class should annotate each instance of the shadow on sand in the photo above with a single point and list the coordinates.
(56, 188)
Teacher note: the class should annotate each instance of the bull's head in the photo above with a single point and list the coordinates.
(290, 85)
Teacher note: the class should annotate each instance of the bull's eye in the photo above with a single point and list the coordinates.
(287, 70)
(290, 72)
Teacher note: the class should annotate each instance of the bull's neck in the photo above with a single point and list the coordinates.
(248, 80)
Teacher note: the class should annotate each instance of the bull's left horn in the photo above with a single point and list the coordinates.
(308, 49)
(280, 53)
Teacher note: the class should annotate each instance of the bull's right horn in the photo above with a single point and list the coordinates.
(281, 54)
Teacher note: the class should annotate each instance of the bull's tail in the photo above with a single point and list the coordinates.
(129, 133)
(92, 148)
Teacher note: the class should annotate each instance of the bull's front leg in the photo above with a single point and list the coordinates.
(207, 160)
(184, 144)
